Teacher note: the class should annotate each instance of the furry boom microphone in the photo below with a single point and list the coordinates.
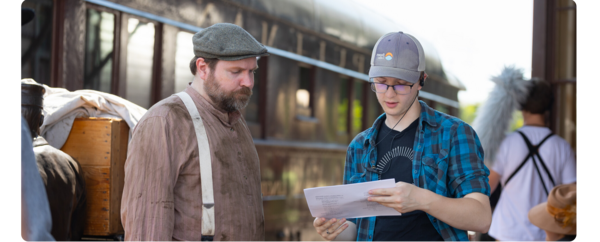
(493, 118)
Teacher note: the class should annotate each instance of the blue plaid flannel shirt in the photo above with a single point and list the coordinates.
(448, 161)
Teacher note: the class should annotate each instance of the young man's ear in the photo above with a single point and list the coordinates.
(422, 81)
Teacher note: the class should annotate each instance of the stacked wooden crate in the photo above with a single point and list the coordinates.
(100, 146)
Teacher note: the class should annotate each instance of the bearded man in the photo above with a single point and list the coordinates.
(164, 197)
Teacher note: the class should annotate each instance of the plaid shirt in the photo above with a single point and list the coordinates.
(448, 161)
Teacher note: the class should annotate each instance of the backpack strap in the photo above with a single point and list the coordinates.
(535, 149)
(533, 152)
(208, 201)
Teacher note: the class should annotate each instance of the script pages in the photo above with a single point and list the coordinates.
(347, 201)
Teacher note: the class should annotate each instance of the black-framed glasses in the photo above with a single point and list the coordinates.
(399, 89)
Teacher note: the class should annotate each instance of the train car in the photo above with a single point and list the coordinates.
(311, 95)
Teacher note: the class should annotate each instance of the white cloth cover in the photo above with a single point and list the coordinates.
(61, 107)
(524, 191)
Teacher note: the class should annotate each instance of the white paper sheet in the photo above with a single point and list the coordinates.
(347, 201)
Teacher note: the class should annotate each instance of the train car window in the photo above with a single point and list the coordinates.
(343, 118)
(99, 46)
(140, 53)
(183, 56)
(374, 108)
(304, 92)
(357, 106)
(36, 42)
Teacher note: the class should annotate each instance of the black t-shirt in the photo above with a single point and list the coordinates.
(394, 160)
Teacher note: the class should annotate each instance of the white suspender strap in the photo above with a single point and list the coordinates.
(208, 201)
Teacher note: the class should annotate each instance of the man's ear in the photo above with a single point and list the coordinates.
(422, 81)
(201, 68)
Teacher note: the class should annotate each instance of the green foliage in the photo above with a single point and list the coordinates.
(517, 121)
(357, 117)
(468, 112)
(343, 116)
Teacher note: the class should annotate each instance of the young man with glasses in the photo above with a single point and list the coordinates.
(442, 185)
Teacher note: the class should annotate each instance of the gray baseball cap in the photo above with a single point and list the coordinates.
(398, 55)
(228, 42)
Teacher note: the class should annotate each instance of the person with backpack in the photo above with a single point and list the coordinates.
(529, 163)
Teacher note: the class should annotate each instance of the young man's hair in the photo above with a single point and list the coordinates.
(211, 62)
(540, 98)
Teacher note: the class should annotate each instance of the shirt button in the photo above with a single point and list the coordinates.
(373, 167)
(370, 236)
(415, 171)
(231, 129)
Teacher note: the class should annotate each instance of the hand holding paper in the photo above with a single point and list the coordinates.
(402, 197)
(348, 201)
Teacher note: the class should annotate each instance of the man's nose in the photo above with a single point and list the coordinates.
(390, 92)
(247, 80)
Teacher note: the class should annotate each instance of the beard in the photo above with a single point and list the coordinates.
(229, 102)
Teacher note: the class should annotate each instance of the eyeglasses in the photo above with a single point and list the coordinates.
(399, 89)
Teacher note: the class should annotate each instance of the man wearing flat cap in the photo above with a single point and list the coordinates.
(192, 170)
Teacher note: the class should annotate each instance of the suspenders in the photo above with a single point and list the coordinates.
(208, 201)
(534, 152)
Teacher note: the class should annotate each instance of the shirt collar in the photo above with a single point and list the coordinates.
(427, 116)
(227, 119)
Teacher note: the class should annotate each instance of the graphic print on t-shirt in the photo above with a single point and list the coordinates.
(393, 153)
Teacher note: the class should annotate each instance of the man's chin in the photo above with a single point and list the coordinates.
(393, 112)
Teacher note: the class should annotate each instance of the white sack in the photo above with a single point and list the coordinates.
(61, 107)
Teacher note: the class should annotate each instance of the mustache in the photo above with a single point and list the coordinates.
(244, 90)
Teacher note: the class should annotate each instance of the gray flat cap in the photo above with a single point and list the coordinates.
(227, 42)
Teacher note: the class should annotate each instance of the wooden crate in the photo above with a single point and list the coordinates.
(100, 146)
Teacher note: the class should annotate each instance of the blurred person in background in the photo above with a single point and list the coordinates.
(558, 216)
(436, 160)
(61, 174)
(36, 221)
(529, 163)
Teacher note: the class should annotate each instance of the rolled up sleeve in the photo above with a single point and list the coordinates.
(466, 171)
(147, 208)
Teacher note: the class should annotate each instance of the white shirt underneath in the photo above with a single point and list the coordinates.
(525, 190)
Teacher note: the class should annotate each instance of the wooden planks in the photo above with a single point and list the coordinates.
(100, 146)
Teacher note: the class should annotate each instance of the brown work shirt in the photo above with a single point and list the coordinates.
(162, 194)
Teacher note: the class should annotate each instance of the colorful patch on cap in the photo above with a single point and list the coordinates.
(388, 56)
